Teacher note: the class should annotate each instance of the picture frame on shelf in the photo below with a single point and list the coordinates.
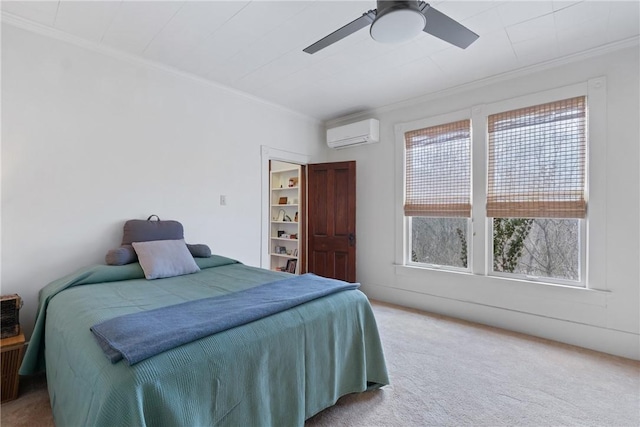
(291, 265)
(282, 201)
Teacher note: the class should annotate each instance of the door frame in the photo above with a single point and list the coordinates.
(266, 154)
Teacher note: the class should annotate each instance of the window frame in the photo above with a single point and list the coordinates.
(400, 130)
(592, 228)
(523, 102)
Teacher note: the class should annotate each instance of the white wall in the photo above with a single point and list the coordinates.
(90, 140)
(605, 321)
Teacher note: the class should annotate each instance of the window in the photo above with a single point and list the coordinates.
(523, 162)
(438, 194)
(537, 247)
(439, 241)
(536, 189)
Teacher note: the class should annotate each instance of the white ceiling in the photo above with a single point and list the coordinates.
(256, 47)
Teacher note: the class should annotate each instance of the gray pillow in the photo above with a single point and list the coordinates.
(199, 251)
(165, 258)
(126, 254)
(140, 230)
(121, 256)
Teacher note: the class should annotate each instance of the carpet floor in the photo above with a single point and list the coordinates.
(447, 372)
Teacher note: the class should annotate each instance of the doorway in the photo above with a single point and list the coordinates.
(267, 155)
(329, 201)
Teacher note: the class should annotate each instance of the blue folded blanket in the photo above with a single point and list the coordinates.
(138, 336)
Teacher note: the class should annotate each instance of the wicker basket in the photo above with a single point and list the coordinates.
(11, 350)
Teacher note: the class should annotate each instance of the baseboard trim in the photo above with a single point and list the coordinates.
(614, 342)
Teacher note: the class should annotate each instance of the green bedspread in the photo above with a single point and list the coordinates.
(276, 371)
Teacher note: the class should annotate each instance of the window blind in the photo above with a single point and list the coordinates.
(537, 161)
(438, 171)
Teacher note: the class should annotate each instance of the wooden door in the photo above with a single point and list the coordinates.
(331, 219)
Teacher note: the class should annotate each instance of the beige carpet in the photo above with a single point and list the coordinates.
(446, 372)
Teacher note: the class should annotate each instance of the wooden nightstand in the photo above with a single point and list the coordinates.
(11, 354)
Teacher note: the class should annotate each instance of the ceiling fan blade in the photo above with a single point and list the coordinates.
(353, 26)
(440, 25)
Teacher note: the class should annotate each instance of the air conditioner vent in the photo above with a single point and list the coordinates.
(358, 133)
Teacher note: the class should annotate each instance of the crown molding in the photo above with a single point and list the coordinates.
(43, 30)
(498, 78)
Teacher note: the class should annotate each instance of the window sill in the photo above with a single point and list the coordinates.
(417, 271)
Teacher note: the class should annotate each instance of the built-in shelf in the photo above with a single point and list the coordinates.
(284, 256)
(285, 186)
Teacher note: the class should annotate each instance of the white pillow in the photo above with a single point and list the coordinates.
(165, 258)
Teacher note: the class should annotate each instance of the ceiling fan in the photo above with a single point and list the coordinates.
(397, 21)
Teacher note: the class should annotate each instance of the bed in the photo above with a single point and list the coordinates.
(278, 371)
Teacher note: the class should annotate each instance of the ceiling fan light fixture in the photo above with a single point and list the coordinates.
(397, 25)
(396, 21)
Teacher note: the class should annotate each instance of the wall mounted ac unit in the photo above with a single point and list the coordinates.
(358, 133)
